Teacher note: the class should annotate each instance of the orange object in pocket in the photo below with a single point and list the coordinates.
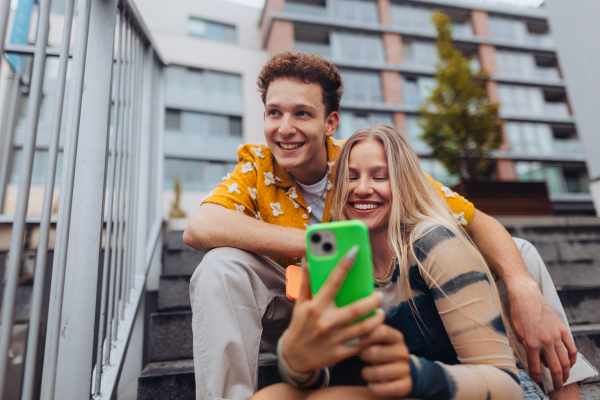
(293, 281)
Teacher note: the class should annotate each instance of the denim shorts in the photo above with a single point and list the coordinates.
(531, 391)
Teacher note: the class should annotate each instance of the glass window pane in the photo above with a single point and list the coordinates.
(194, 176)
(216, 172)
(553, 180)
(235, 126)
(173, 169)
(218, 126)
(194, 124)
(197, 27)
(214, 31)
(173, 120)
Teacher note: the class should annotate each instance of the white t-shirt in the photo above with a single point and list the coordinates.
(311, 194)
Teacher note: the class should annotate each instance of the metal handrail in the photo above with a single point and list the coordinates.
(133, 198)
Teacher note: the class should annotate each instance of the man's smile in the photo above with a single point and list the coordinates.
(290, 146)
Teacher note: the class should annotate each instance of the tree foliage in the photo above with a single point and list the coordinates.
(176, 211)
(459, 124)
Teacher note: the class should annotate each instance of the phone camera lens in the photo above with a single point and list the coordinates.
(316, 238)
(327, 247)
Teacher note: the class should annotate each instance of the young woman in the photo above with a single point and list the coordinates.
(443, 336)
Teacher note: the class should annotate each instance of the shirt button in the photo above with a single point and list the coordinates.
(304, 216)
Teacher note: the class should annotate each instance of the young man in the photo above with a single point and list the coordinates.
(254, 223)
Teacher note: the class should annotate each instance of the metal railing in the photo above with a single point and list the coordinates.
(96, 285)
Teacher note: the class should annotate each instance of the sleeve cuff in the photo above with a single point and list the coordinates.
(301, 380)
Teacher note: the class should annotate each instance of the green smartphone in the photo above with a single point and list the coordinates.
(326, 244)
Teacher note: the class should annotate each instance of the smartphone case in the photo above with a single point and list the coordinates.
(293, 281)
(359, 281)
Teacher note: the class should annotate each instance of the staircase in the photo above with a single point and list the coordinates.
(570, 246)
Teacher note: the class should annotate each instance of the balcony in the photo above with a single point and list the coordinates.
(340, 10)
(317, 48)
(556, 110)
(567, 147)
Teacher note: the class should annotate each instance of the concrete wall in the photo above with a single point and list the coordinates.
(576, 32)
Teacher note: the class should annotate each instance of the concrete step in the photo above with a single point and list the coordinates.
(575, 273)
(588, 344)
(582, 305)
(174, 241)
(590, 391)
(181, 262)
(174, 380)
(174, 293)
(170, 336)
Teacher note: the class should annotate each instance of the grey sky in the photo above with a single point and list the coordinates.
(524, 3)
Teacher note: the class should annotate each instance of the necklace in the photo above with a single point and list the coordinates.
(386, 276)
(308, 206)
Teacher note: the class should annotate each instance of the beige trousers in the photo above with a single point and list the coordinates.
(239, 307)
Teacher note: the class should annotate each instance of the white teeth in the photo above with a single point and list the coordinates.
(365, 206)
(290, 146)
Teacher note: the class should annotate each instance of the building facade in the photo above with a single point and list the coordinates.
(212, 104)
(385, 52)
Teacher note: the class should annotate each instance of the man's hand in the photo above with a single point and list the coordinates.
(545, 338)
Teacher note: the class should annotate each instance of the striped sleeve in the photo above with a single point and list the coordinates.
(470, 312)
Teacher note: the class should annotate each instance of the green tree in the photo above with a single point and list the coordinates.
(459, 124)
(176, 211)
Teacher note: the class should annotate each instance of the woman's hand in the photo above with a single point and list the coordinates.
(390, 373)
(321, 334)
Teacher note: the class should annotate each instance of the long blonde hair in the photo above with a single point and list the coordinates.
(414, 200)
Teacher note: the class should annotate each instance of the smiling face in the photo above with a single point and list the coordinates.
(369, 189)
(296, 127)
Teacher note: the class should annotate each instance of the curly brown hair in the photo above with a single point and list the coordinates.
(309, 68)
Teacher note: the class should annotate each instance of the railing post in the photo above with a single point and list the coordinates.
(147, 99)
(18, 229)
(76, 341)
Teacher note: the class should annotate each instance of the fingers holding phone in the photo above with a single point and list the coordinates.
(389, 374)
(319, 328)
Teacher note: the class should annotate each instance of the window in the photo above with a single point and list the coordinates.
(512, 63)
(195, 175)
(211, 30)
(413, 132)
(419, 53)
(538, 172)
(38, 172)
(508, 29)
(362, 87)
(350, 122)
(520, 100)
(416, 90)
(408, 16)
(438, 172)
(364, 11)
(200, 126)
(309, 39)
(206, 83)
(528, 138)
(315, 10)
(357, 47)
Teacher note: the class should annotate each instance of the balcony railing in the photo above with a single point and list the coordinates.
(111, 183)
(556, 110)
(567, 147)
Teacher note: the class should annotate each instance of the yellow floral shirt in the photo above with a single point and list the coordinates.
(260, 188)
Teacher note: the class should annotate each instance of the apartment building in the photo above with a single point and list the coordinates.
(385, 52)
